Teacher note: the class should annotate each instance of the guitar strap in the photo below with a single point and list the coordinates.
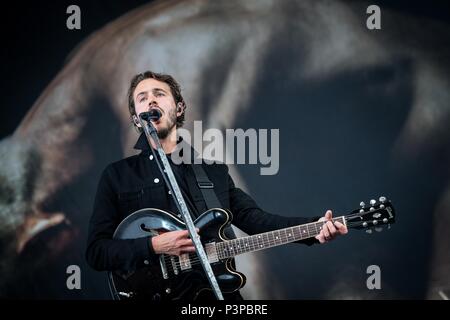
(209, 195)
(206, 187)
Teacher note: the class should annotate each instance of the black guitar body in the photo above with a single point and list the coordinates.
(163, 277)
(182, 277)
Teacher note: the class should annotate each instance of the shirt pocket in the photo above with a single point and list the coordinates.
(154, 196)
(148, 196)
(130, 201)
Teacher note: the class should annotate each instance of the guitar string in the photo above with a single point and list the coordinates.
(194, 260)
(254, 246)
(283, 239)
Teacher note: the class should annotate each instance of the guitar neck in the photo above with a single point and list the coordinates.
(231, 248)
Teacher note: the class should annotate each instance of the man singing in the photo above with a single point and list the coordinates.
(136, 182)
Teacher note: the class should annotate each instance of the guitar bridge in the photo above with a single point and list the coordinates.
(185, 262)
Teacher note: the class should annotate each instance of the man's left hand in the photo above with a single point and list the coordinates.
(330, 229)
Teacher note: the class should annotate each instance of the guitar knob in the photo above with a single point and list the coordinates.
(373, 202)
(362, 204)
(385, 220)
(382, 199)
(156, 297)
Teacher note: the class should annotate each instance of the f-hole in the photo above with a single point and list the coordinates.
(144, 228)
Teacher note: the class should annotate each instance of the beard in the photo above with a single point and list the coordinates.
(163, 132)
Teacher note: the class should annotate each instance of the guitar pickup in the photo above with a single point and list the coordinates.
(174, 265)
(162, 263)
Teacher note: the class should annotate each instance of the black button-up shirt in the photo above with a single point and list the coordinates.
(136, 182)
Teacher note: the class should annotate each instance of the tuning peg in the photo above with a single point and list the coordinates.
(365, 224)
(382, 206)
(385, 220)
(372, 209)
(362, 204)
(373, 202)
(382, 199)
(375, 222)
(376, 215)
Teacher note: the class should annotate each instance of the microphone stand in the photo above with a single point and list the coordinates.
(169, 178)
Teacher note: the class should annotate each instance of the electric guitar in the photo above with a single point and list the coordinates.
(182, 277)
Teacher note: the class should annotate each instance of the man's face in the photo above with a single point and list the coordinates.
(153, 94)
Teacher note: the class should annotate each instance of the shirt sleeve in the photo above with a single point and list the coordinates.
(102, 251)
(251, 219)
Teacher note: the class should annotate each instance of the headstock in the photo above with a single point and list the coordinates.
(373, 217)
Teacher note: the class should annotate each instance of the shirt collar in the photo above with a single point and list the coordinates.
(142, 144)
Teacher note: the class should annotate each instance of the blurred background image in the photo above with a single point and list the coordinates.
(362, 114)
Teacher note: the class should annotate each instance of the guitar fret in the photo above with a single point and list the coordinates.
(298, 232)
(259, 242)
(231, 248)
(311, 229)
(265, 239)
(317, 227)
(270, 238)
(304, 232)
(289, 233)
(285, 236)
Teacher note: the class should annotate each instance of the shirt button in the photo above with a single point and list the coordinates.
(156, 180)
(151, 157)
(170, 192)
(146, 262)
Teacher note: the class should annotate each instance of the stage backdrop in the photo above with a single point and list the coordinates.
(361, 113)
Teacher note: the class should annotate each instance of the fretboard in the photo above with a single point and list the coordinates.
(231, 248)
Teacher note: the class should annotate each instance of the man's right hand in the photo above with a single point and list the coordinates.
(173, 243)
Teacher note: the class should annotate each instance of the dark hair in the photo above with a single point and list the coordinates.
(171, 82)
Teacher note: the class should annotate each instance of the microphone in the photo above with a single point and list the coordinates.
(152, 115)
